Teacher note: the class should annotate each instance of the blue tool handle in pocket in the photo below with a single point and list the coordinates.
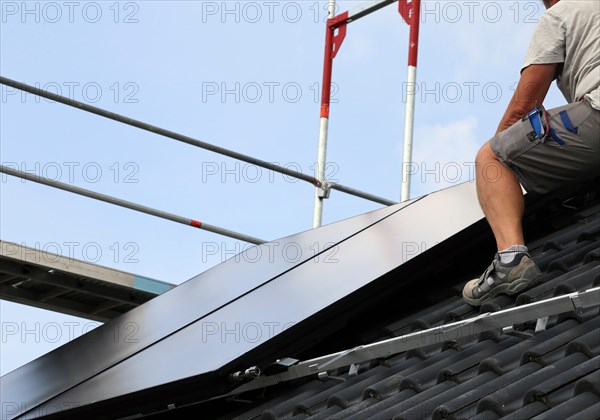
(536, 123)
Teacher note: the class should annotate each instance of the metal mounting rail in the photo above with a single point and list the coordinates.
(129, 205)
(189, 140)
(497, 321)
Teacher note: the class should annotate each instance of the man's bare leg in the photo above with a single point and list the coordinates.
(502, 202)
(500, 197)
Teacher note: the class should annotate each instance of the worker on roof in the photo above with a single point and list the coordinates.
(542, 150)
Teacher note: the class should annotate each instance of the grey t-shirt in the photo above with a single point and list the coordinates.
(569, 33)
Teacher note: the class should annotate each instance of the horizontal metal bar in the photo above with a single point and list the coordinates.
(367, 8)
(157, 130)
(179, 137)
(129, 205)
(466, 328)
(361, 194)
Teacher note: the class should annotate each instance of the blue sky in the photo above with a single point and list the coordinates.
(245, 76)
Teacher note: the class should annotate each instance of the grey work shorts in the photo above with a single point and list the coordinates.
(544, 166)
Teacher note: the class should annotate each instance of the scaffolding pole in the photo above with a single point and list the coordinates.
(188, 140)
(411, 12)
(129, 205)
(330, 52)
(157, 130)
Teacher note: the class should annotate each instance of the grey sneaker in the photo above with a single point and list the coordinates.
(500, 278)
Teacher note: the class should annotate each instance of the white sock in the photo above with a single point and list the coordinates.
(508, 255)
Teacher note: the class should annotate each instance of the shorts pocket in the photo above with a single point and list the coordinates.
(570, 117)
(567, 122)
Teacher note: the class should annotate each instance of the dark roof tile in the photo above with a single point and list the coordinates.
(384, 387)
(574, 256)
(286, 407)
(592, 256)
(407, 324)
(464, 405)
(394, 382)
(510, 398)
(418, 400)
(325, 413)
(590, 211)
(558, 396)
(428, 373)
(342, 393)
(587, 343)
(315, 403)
(509, 359)
(540, 391)
(552, 254)
(380, 406)
(546, 289)
(352, 394)
(581, 282)
(590, 234)
(470, 359)
(526, 412)
(592, 412)
(485, 415)
(426, 409)
(537, 352)
(591, 382)
(570, 233)
(497, 303)
(573, 406)
(354, 409)
(434, 316)
(461, 311)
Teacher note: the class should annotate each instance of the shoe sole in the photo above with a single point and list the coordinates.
(507, 288)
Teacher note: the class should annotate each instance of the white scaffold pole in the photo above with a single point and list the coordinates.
(128, 205)
(322, 192)
(410, 11)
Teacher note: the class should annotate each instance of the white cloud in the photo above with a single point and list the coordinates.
(444, 154)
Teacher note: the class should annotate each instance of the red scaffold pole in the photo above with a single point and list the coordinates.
(411, 12)
(333, 42)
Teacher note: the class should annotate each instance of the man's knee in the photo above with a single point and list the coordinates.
(485, 154)
(489, 167)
